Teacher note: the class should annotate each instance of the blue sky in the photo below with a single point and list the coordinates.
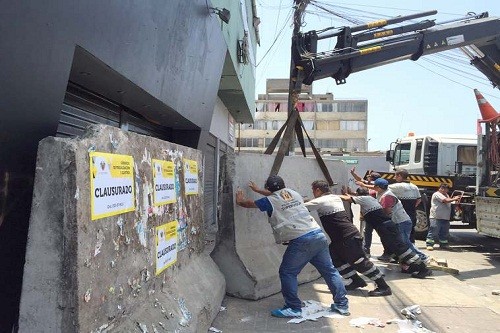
(421, 97)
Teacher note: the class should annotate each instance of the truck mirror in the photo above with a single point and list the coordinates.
(389, 156)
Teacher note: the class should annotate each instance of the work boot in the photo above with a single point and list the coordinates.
(357, 282)
(444, 246)
(422, 274)
(380, 292)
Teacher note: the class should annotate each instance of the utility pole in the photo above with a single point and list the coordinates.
(294, 88)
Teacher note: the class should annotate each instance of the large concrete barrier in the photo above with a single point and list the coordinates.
(245, 249)
(102, 259)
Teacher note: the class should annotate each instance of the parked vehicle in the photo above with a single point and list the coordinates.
(469, 165)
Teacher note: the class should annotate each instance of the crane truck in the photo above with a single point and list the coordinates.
(441, 159)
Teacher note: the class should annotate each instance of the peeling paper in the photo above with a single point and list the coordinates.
(146, 158)
(114, 143)
(77, 193)
(145, 275)
(87, 295)
(142, 327)
(186, 315)
(120, 225)
(141, 232)
(213, 329)
(100, 238)
(222, 308)
(101, 328)
(314, 310)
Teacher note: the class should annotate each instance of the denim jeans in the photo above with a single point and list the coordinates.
(368, 235)
(311, 247)
(439, 228)
(405, 231)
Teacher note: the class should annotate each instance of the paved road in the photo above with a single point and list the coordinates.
(450, 303)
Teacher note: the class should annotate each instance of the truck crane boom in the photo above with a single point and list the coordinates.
(371, 45)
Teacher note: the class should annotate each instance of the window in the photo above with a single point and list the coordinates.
(402, 154)
(351, 106)
(418, 150)
(324, 107)
(467, 155)
(352, 125)
(308, 124)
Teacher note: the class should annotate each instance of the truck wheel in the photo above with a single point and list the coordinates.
(422, 225)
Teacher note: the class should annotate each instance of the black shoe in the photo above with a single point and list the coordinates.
(385, 257)
(422, 274)
(355, 284)
(380, 292)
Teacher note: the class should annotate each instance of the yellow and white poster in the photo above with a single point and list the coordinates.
(166, 246)
(111, 184)
(163, 182)
(190, 177)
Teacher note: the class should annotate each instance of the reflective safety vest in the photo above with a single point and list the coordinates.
(290, 218)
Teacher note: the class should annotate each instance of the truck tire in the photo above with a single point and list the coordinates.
(422, 225)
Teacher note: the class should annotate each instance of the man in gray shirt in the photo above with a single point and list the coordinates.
(439, 217)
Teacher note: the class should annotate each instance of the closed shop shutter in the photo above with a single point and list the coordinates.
(210, 185)
(82, 108)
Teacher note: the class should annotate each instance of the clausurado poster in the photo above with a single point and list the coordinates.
(111, 184)
(163, 182)
(166, 246)
(190, 177)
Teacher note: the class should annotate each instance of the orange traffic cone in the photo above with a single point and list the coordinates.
(487, 111)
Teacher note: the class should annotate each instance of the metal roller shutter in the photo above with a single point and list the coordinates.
(210, 185)
(82, 108)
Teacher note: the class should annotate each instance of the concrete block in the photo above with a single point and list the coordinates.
(84, 275)
(245, 249)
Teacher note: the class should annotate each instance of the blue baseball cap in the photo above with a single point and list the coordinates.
(381, 182)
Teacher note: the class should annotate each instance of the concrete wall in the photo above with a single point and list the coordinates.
(245, 249)
(84, 275)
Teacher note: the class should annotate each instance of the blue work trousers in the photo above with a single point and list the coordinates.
(309, 248)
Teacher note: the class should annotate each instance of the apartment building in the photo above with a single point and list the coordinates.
(335, 125)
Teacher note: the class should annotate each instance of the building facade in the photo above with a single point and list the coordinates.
(178, 70)
(334, 125)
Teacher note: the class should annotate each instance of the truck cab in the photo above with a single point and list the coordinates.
(434, 159)
(435, 155)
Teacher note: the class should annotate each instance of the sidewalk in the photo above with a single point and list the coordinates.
(460, 304)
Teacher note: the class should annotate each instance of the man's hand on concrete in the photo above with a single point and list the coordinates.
(253, 186)
(240, 197)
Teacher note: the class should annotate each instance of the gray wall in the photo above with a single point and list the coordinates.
(165, 58)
